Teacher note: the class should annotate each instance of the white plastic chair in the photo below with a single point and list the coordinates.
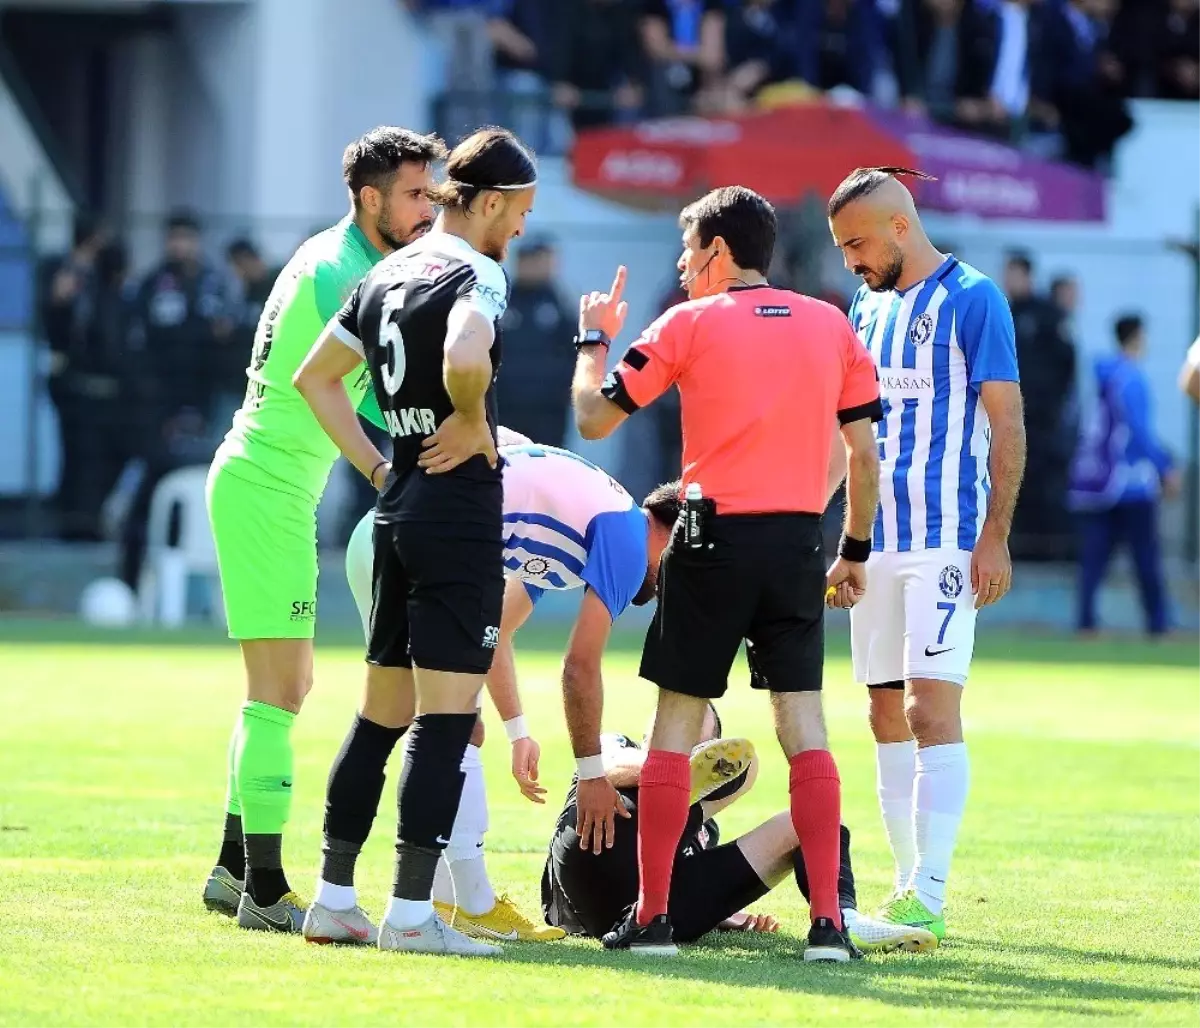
(162, 589)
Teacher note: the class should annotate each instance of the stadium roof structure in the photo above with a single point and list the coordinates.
(789, 153)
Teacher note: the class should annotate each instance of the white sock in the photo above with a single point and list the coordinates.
(895, 766)
(461, 878)
(408, 913)
(466, 881)
(336, 897)
(940, 795)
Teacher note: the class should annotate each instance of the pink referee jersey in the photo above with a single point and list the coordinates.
(762, 374)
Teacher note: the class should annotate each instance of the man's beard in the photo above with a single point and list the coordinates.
(496, 249)
(389, 235)
(891, 272)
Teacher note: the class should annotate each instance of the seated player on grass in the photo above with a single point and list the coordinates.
(586, 892)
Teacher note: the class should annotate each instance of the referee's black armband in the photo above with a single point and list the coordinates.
(614, 389)
(872, 410)
(854, 550)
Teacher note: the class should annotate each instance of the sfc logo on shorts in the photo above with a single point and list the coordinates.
(950, 581)
(920, 330)
(304, 610)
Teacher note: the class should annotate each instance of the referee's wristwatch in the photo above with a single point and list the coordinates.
(593, 337)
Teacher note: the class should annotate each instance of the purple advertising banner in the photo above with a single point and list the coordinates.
(992, 180)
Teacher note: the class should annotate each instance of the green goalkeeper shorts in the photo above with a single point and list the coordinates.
(267, 555)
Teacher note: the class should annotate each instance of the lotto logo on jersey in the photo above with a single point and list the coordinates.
(410, 421)
(491, 636)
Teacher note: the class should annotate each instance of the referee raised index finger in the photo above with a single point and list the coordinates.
(618, 285)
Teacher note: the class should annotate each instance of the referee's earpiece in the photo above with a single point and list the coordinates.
(711, 257)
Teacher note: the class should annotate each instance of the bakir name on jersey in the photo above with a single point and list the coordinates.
(410, 421)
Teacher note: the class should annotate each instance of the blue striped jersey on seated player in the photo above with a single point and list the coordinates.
(935, 344)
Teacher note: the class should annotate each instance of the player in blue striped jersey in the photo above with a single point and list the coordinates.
(952, 452)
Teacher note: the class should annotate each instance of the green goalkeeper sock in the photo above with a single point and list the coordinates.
(263, 768)
(264, 782)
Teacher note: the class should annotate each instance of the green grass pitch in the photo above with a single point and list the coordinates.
(1075, 897)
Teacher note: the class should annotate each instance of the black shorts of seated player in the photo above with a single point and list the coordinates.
(586, 893)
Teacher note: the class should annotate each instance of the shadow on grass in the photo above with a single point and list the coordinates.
(950, 978)
(1050, 951)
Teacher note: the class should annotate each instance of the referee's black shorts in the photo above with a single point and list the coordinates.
(436, 595)
(762, 579)
(586, 893)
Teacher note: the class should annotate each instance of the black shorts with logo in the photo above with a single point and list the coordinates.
(436, 596)
(761, 578)
(586, 893)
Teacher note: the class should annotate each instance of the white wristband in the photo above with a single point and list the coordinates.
(515, 728)
(590, 767)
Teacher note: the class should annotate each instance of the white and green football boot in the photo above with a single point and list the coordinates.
(906, 909)
(874, 936)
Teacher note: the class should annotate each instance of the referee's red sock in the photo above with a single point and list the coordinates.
(664, 787)
(816, 801)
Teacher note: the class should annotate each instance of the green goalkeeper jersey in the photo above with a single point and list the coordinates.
(276, 440)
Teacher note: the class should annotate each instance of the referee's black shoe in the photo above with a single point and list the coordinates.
(829, 943)
(657, 939)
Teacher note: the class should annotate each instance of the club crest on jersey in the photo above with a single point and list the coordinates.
(950, 581)
(535, 566)
(920, 331)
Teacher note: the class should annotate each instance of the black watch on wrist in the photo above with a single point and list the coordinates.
(592, 337)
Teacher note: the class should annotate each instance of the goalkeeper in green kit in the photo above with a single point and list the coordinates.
(263, 489)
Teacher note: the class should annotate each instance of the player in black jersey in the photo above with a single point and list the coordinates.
(425, 321)
(585, 892)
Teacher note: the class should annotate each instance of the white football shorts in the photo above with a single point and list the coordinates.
(917, 619)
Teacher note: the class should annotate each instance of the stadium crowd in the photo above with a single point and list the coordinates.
(1055, 75)
(146, 373)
